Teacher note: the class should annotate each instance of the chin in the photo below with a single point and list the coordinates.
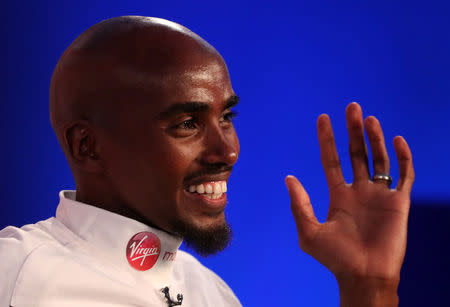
(206, 235)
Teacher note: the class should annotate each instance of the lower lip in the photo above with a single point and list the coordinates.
(214, 204)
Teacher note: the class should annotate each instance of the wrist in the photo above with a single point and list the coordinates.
(367, 291)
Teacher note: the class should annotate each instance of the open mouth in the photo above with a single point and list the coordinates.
(210, 190)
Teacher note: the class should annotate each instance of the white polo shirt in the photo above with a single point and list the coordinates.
(87, 256)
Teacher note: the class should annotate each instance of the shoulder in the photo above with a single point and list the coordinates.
(192, 267)
(27, 234)
(193, 270)
(19, 242)
(16, 243)
(16, 246)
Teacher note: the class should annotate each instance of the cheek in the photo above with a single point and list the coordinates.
(160, 163)
(171, 164)
(148, 168)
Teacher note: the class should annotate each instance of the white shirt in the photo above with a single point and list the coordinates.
(85, 256)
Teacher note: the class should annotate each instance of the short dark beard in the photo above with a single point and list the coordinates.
(205, 241)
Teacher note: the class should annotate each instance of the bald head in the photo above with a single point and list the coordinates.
(107, 64)
(142, 109)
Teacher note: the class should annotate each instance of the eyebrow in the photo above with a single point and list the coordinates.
(193, 107)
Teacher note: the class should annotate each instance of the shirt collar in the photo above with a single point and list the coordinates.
(112, 233)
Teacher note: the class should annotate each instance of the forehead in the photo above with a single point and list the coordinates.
(206, 82)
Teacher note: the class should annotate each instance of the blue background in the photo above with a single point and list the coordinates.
(289, 62)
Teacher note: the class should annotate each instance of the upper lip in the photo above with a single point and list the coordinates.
(207, 178)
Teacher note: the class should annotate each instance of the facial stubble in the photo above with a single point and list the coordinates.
(207, 240)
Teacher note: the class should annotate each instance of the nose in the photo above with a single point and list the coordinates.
(221, 146)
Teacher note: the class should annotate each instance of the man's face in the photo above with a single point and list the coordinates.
(172, 140)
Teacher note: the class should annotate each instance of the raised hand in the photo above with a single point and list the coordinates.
(363, 240)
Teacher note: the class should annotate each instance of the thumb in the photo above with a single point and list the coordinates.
(302, 210)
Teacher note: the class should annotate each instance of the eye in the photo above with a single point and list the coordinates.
(188, 124)
(229, 116)
(184, 128)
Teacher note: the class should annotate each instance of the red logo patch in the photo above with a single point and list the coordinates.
(143, 250)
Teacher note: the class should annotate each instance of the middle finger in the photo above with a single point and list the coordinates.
(357, 145)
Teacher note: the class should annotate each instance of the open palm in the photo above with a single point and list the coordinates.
(365, 231)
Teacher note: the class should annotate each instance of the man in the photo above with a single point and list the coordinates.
(142, 108)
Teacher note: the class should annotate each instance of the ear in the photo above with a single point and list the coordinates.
(82, 146)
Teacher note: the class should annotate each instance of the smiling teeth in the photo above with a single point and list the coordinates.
(200, 189)
(213, 190)
(217, 188)
(208, 189)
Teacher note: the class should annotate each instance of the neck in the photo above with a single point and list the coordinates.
(141, 250)
(105, 199)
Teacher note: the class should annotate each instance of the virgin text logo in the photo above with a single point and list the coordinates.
(143, 250)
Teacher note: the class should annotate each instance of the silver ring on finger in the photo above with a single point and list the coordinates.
(384, 177)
